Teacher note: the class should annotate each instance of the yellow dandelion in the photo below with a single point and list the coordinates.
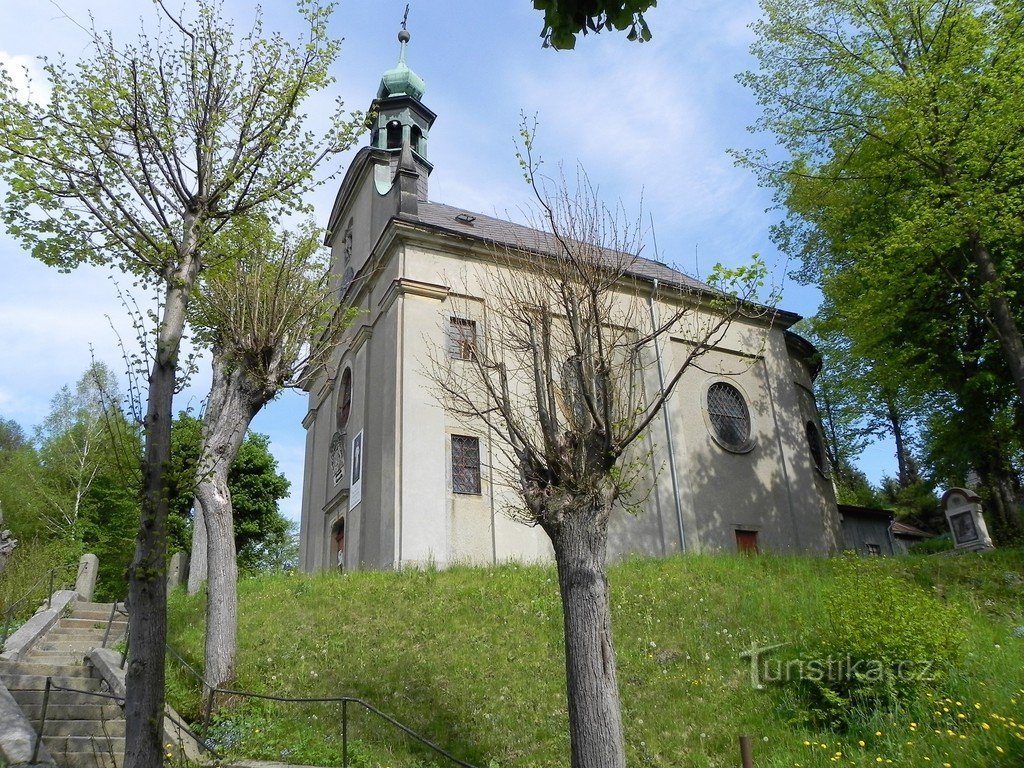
(879, 760)
(961, 716)
(985, 726)
(807, 743)
(999, 749)
(860, 744)
(977, 705)
(878, 733)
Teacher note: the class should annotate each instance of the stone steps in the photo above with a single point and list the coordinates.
(59, 711)
(98, 757)
(38, 682)
(32, 667)
(35, 698)
(105, 744)
(98, 727)
(82, 730)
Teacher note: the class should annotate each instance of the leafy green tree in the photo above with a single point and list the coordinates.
(142, 153)
(902, 127)
(12, 436)
(256, 487)
(903, 123)
(21, 492)
(564, 19)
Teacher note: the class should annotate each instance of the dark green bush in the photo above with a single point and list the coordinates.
(942, 543)
(883, 642)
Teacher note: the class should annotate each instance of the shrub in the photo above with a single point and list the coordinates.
(882, 643)
(942, 543)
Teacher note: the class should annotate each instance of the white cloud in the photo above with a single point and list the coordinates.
(26, 76)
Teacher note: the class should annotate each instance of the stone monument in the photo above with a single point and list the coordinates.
(7, 543)
(966, 523)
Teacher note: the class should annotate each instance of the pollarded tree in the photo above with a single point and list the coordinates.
(141, 154)
(559, 380)
(267, 314)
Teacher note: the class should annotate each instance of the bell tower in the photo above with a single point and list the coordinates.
(400, 118)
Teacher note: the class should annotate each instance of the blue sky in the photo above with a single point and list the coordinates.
(649, 122)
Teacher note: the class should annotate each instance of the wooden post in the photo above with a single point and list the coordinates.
(746, 752)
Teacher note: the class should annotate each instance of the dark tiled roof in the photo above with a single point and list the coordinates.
(903, 529)
(507, 233)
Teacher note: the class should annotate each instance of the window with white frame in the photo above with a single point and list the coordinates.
(461, 338)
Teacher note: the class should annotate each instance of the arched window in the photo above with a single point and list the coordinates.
(815, 446)
(345, 399)
(729, 416)
(394, 135)
(416, 136)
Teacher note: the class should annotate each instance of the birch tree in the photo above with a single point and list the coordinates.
(142, 153)
(558, 378)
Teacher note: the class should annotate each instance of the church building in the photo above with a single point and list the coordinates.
(392, 480)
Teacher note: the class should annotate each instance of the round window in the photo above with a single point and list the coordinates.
(729, 415)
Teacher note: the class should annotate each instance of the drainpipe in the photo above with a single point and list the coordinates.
(664, 415)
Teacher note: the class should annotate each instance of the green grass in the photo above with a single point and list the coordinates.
(472, 658)
(25, 577)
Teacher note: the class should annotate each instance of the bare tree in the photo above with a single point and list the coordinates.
(142, 153)
(266, 312)
(561, 377)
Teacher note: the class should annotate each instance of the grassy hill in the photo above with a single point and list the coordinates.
(472, 658)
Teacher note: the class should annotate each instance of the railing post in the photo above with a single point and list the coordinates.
(42, 721)
(110, 621)
(746, 752)
(344, 733)
(209, 707)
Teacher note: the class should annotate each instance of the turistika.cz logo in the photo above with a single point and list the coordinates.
(764, 671)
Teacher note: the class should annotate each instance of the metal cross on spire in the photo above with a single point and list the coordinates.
(405, 18)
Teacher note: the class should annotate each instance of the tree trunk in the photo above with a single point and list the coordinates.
(222, 579)
(197, 560)
(234, 401)
(147, 575)
(1002, 316)
(595, 717)
(896, 423)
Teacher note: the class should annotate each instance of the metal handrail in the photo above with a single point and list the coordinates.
(114, 610)
(119, 700)
(46, 577)
(212, 692)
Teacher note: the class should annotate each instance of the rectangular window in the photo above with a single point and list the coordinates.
(873, 549)
(465, 464)
(461, 338)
